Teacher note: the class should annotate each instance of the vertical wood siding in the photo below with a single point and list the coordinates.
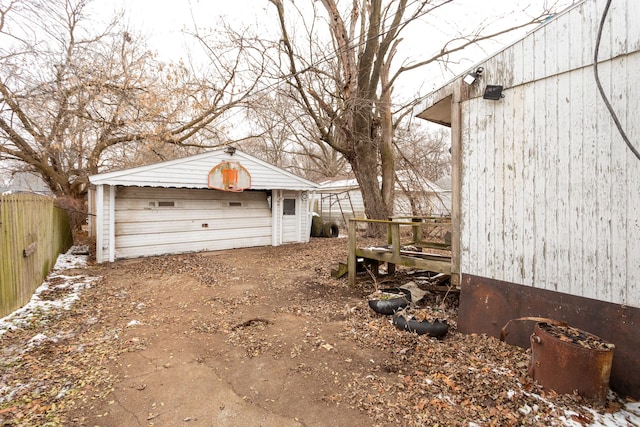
(551, 193)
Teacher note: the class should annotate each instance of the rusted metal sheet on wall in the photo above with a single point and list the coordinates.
(486, 305)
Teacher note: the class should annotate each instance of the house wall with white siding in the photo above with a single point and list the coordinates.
(566, 218)
(549, 190)
(433, 203)
(546, 194)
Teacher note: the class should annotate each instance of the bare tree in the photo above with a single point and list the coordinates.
(423, 150)
(348, 90)
(422, 158)
(75, 101)
(285, 136)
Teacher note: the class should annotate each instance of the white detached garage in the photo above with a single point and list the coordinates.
(222, 199)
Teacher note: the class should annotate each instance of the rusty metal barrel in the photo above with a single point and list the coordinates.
(567, 360)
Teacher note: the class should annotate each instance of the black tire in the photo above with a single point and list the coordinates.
(388, 306)
(330, 229)
(401, 291)
(316, 226)
(437, 329)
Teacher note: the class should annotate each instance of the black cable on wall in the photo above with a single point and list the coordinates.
(601, 89)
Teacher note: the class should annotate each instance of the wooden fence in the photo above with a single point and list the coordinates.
(32, 234)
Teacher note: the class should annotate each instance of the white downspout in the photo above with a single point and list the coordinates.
(275, 209)
(300, 214)
(99, 223)
(112, 221)
(311, 197)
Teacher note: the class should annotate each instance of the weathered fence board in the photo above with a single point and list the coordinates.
(32, 234)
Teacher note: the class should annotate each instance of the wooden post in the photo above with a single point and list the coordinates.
(417, 230)
(395, 238)
(456, 183)
(351, 257)
(395, 245)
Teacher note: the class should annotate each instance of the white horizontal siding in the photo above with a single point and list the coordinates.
(550, 192)
(424, 203)
(193, 172)
(149, 223)
(203, 239)
(201, 220)
(185, 247)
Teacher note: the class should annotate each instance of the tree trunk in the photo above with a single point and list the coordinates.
(387, 155)
(364, 162)
(365, 169)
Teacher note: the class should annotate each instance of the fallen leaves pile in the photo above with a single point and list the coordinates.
(51, 354)
(55, 361)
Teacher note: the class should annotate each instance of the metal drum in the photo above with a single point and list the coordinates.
(567, 360)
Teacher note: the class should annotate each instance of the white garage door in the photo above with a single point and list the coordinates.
(156, 221)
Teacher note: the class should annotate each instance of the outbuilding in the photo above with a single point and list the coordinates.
(340, 198)
(546, 185)
(221, 199)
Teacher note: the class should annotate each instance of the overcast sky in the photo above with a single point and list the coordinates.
(164, 21)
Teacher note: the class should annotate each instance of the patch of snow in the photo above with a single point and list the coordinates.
(57, 292)
(38, 340)
(628, 415)
(133, 323)
(7, 393)
(68, 260)
(526, 409)
(72, 285)
(501, 370)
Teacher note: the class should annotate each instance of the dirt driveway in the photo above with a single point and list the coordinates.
(232, 338)
(260, 337)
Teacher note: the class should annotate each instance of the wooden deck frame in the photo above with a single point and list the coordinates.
(395, 255)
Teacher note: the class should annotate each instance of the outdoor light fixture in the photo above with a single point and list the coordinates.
(472, 77)
(230, 150)
(493, 92)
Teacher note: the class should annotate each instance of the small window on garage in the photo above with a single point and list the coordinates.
(289, 207)
(235, 204)
(166, 204)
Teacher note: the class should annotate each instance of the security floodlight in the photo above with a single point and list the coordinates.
(493, 92)
(473, 76)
